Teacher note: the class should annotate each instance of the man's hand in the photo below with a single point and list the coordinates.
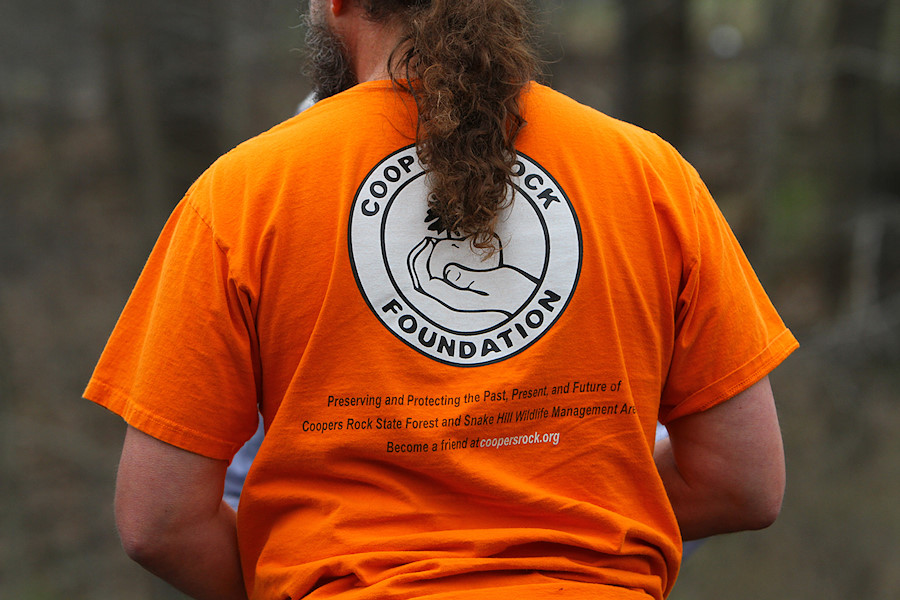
(724, 468)
(499, 288)
(172, 519)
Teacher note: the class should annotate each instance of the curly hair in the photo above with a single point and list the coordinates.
(465, 62)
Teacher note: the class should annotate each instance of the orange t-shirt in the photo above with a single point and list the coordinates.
(438, 425)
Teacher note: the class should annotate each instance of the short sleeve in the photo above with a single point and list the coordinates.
(728, 333)
(181, 363)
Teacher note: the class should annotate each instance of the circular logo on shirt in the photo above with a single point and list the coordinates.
(441, 297)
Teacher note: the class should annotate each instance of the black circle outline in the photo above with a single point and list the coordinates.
(556, 317)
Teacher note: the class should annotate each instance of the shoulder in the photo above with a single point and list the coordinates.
(561, 121)
(306, 166)
(601, 152)
(322, 135)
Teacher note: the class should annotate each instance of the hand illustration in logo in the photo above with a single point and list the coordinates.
(447, 270)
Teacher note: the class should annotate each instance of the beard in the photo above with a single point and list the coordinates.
(328, 65)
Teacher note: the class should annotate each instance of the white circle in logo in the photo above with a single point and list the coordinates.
(437, 295)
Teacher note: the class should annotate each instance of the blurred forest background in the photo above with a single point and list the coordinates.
(790, 109)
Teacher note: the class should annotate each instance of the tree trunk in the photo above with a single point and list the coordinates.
(856, 112)
(857, 166)
(168, 84)
(656, 61)
(136, 111)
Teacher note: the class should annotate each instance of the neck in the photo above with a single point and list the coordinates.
(372, 56)
(369, 45)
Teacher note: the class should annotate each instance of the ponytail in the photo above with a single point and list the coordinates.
(465, 62)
